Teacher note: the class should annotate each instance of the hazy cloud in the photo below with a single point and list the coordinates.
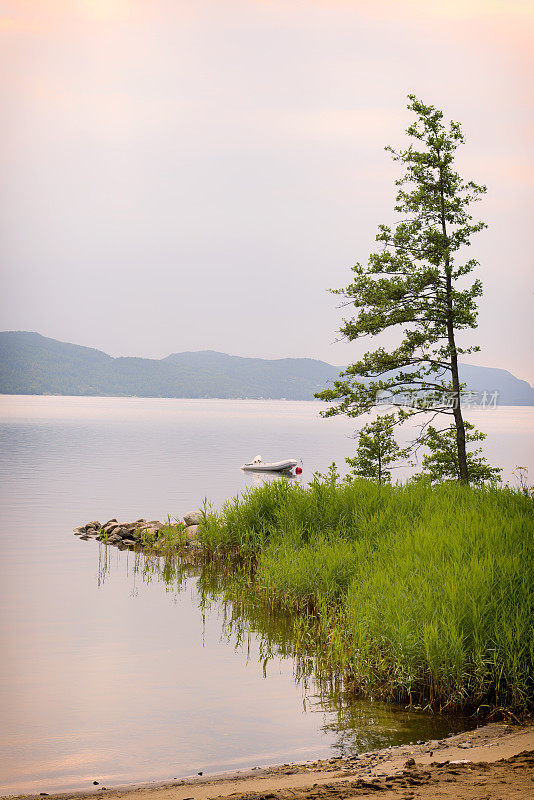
(184, 175)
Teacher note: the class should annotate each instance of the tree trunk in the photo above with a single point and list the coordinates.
(379, 461)
(457, 407)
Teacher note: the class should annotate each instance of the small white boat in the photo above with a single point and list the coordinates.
(270, 466)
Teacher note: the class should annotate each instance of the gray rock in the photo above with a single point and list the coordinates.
(193, 518)
(151, 529)
(113, 528)
(114, 538)
(128, 542)
(93, 526)
(145, 529)
(192, 531)
(79, 530)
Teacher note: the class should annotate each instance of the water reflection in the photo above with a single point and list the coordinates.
(134, 679)
(169, 570)
(261, 632)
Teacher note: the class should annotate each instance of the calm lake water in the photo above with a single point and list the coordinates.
(112, 668)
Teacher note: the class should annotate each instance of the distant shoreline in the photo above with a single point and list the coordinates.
(162, 397)
(226, 399)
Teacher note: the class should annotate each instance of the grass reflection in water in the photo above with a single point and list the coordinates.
(225, 589)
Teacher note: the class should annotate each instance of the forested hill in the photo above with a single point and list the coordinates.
(33, 364)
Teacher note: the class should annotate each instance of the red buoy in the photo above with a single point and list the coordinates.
(298, 470)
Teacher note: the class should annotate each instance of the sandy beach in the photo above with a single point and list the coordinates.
(494, 761)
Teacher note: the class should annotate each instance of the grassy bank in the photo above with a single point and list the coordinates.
(416, 593)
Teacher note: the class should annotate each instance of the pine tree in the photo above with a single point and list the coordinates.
(415, 284)
(441, 463)
(377, 450)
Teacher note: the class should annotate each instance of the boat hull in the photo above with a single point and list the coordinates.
(273, 466)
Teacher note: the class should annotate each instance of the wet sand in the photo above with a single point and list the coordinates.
(494, 761)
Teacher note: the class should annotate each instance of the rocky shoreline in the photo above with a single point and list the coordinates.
(140, 533)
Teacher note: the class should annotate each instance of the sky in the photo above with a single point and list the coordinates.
(196, 174)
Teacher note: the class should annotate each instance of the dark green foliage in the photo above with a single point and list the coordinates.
(416, 284)
(441, 463)
(377, 450)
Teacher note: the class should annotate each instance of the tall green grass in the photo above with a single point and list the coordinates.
(418, 593)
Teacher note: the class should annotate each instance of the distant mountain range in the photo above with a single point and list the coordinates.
(33, 364)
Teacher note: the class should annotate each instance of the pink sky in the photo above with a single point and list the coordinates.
(208, 163)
